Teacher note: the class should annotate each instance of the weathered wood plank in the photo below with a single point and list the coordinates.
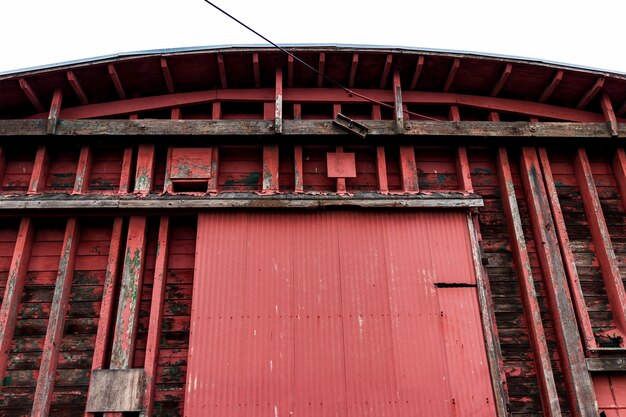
(606, 364)
(408, 169)
(499, 130)
(116, 390)
(40, 170)
(83, 171)
(56, 322)
(144, 174)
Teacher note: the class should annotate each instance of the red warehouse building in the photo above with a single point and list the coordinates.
(392, 232)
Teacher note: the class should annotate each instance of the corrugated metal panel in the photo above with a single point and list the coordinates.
(330, 314)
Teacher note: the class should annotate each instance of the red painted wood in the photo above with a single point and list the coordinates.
(40, 171)
(55, 109)
(144, 174)
(56, 322)
(386, 69)
(257, 72)
(83, 172)
(408, 169)
(340, 165)
(418, 71)
(505, 76)
(125, 331)
(31, 95)
(298, 169)
(609, 114)
(78, 89)
(213, 181)
(14, 288)
(463, 173)
(547, 92)
(341, 181)
(541, 358)
(398, 107)
(222, 69)
(601, 239)
(278, 102)
(290, 61)
(117, 83)
(320, 68)
(167, 75)
(270, 169)
(569, 262)
(127, 168)
(573, 365)
(451, 74)
(381, 170)
(156, 316)
(304, 315)
(591, 93)
(619, 171)
(353, 69)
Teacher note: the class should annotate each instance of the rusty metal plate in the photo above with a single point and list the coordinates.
(341, 165)
(334, 313)
(191, 163)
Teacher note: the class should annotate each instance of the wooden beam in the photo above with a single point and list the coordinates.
(386, 69)
(298, 169)
(505, 76)
(381, 170)
(606, 364)
(144, 174)
(541, 355)
(601, 237)
(320, 68)
(270, 169)
(126, 172)
(341, 182)
(463, 172)
(289, 71)
(622, 109)
(117, 83)
(83, 171)
(78, 89)
(222, 70)
(325, 95)
(398, 106)
(353, 69)
(167, 76)
(569, 262)
(591, 93)
(213, 183)
(14, 288)
(55, 109)
(547, 92)
(124, 335)
(619, 172)
(451, 74)
(156, 317)
(31, 95)
(571, 357)
(256, 70)
(488, 320)
(455, 114)
(56, 322)
(609, 115)
(408, 169)
(41, 166)
(418, 71)
(115, 391)
(278, 102)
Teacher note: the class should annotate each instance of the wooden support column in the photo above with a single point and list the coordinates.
(144, 175)
(31, 95)
(40, 171)
(83, 171)
(256, 70)
(577, 379)
(408, 169)
(297, 155)
(78, 89)
(547, 92)
(117, 83)
(55, 110)
(341, 182)
(487, 313)
(215, 155)
(130, 294)
(222, 70)
(127, 168)
(464, 177)
(14, 288)
(56, 322)
(569, 263)
(103, 335)
(278, 104)
(381, 159)
(536, 332)
(270, 169)
(609, 115)
(399, 109)
(156, 316)
(619, 172)
(601, 239)
(418, 71)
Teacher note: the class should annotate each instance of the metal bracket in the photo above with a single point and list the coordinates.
(351, 126)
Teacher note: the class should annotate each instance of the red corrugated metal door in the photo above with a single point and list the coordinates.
(336, 313)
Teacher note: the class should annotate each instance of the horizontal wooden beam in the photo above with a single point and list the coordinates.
(606, 364)
(308, 128)
(325, 95)
(236, 200)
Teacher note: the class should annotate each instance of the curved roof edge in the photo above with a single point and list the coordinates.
(373, 48)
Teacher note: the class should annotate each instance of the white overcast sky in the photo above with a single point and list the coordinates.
(583, 33)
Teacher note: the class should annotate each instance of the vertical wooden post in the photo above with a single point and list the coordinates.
(619, 172)
(270, 169)
(130, 295)
(487, 313)
(83, 171)
(609, 114)
(408, 169)
(381, 161)
(167, 183)
(278, 106)
(144, 176)
(601, 239)
(55, 110)
(541, 355)
(156, 316)
(569, 263)
(40, 171)
(341, 182)
(125, 174)
(14, 288)
(3, 164)
(56, 322)
(574, 366)
(215, 156)
(103, 335)
(297, 155)
(397, 95)
(463, 173)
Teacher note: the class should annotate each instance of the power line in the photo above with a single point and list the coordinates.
(326, 77)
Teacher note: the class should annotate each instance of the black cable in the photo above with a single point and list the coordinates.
(326, 77)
